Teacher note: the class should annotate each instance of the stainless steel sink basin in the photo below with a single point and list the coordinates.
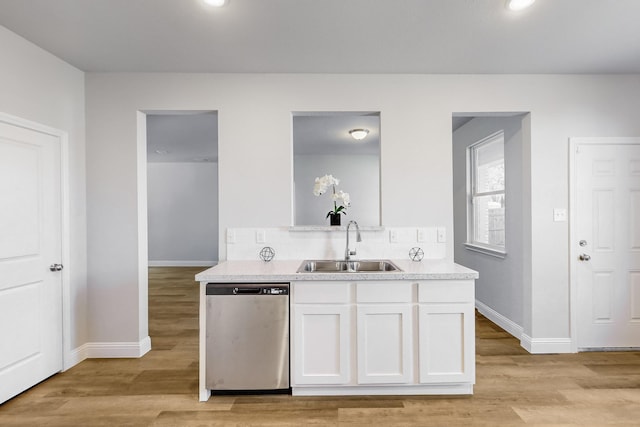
(339, 266)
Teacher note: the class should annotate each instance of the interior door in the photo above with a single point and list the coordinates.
(30, 241)
(606, 250)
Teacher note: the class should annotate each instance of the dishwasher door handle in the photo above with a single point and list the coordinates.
(250, 291)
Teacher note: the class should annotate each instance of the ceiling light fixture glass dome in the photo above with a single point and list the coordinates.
(359, 134)
(216, 3)
(519, 4)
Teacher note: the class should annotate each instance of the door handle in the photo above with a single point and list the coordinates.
(56, 267)
(584, 257)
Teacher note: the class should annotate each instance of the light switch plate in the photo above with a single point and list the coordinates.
(427, 235)
(393, 236)
(261, 236)
(559, 214)
(231, 236)
(442, 235)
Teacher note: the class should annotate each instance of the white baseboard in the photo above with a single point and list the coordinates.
(118, 349)
(182, 263)
(546, 345)
(75, 356)
(106, 350)
(505, 323)
(532, 345)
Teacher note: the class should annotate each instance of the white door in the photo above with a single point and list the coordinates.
(30, 241)
(606, 247)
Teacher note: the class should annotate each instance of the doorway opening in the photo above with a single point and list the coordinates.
(177, 196)
(492, 213)
(182, 188)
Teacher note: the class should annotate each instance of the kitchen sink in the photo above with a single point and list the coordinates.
(340, 266)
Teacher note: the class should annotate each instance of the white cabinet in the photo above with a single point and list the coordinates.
(322, 336)
(383, 337)
(384, 333)
(321, 332)
(446, 324)
(446, 343)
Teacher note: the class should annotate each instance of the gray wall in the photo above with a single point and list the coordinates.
(183, 213)
(359, 176)
(501, 282)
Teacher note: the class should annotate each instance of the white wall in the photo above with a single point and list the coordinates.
(183, 213)
(37, 86)
(501, 282)
(359, 176)
(255, 160)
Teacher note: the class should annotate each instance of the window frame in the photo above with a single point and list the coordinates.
(473, 194)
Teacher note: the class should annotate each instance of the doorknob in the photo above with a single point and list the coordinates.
(56, 267)
(584, 257)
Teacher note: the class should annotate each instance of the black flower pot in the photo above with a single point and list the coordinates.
(335, 219)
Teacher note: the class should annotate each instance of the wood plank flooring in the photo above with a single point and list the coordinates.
(513, 387)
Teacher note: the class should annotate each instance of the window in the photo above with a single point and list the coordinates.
(486, 209)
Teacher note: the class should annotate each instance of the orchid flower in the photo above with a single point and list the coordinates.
(322, 184)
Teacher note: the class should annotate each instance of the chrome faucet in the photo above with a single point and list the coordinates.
(347, 252)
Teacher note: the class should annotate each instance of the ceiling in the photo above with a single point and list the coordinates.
(328, 133)
(333, 36)
(328, 36)
(192, 136)
(182, 136)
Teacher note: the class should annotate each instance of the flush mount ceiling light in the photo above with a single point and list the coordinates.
(359, 134)
(516, 5)
(216, 3)
(162, 152)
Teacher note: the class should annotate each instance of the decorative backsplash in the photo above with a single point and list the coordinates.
(325, 243)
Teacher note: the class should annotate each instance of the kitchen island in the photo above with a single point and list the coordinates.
(395, 332)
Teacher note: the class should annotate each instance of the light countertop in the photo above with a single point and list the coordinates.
(285, 271)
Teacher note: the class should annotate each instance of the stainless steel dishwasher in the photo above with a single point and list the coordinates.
(247, 344)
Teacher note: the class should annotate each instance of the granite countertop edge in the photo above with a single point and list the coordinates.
(285, 271)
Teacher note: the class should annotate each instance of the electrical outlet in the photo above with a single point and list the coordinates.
(422, 235)
(559, 215)
(442, 234)
(393, 236)
(231, 236)
(261, 236)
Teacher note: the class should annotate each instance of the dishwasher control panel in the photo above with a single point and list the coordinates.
(247, 289)
(276, 291)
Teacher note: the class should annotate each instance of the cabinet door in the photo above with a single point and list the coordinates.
(447, 343)
(321, 344)
(384, 335)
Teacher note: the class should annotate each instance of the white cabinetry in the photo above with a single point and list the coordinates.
(383, 337)
(447, 332)
(384, 332)
(321, 332)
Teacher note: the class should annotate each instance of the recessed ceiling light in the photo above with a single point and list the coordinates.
(518, 4)
(216, 3)
(161, 152)
(359, 134)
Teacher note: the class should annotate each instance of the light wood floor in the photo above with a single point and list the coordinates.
(513, 387)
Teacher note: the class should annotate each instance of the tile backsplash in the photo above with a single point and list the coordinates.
(291, 243)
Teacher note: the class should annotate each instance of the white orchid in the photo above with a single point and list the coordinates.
(321, 186)
(341, 195)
